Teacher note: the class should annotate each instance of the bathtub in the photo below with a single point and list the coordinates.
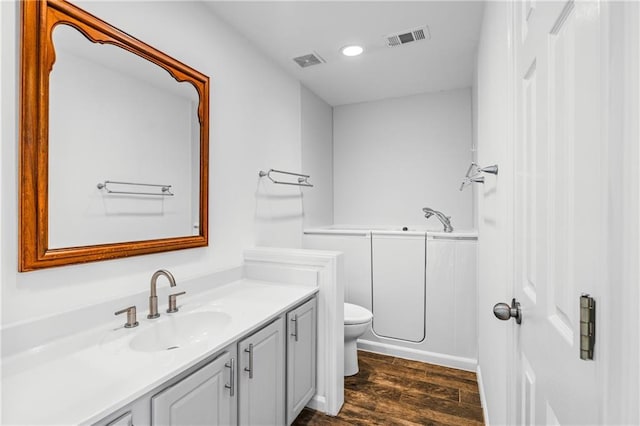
(420, 284)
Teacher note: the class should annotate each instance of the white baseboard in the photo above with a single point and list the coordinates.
(319, 403)
(461, 363)
(483, 398)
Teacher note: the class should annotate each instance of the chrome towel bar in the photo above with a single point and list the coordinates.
(165, 190)
(302, 179)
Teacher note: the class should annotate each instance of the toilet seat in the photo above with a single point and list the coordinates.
(354, 314)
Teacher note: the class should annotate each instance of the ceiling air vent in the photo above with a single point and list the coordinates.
(308, 60)
(408, 36)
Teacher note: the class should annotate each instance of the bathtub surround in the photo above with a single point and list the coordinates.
(256, 124)
(395, 156)
(419, 285)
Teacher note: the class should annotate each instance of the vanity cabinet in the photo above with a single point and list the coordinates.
(206, 397)
(262, 376)
(266, 378)
(301, 357)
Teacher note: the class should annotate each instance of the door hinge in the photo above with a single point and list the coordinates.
(587, 326)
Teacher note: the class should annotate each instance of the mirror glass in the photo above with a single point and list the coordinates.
(124, 147)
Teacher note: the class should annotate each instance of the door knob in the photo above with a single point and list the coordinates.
(503, 312)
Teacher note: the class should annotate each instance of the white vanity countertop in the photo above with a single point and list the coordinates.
(82, 378)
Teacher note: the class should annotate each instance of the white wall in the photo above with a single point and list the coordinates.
(395, 156)
(4, 103)
(255, 124)
(617, 309)
(317, 158)
(494, 279)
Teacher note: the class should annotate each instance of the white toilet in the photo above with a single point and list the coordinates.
(357, 320)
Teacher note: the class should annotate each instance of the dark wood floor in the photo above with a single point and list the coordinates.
(395, 391)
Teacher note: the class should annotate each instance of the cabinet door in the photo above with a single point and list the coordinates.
(301, 358)
(261, 381)
(203, 398)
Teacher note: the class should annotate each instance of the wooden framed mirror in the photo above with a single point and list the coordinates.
(114, 143)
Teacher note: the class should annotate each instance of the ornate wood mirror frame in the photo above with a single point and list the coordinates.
(39, 18)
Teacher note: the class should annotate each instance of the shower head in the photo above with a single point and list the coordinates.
(428, 212)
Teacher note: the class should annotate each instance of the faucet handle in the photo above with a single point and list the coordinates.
(173, 302)
(131, 316)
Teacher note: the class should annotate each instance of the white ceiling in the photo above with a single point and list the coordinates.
(286, 29)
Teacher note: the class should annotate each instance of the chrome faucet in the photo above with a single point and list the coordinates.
(153, 297)
(428, 212)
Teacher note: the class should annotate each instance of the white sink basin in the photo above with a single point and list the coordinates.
(179, 330)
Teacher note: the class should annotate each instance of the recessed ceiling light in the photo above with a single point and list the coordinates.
(353, 50)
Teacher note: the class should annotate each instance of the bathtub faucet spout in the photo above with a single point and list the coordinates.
(428, 212)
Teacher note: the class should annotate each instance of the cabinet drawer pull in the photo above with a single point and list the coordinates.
(250, 369)
(295, 329)
(232, 376)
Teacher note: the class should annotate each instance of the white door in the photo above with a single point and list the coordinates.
(262, 364)
(559, 194)
(301, 358)
(200, 399)
(398, 264)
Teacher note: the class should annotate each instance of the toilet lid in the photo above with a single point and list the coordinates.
(354, 314)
